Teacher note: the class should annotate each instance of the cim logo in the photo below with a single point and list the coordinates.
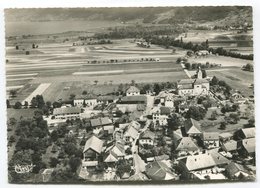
(21, 169)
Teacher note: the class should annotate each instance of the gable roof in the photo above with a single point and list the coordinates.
(135, 98)
(210, 136)
(132, 89)
(100, 121)
(225, 135)
(177, 135)
(200, 81)
(132, 132)
(165, 110)
(158, 170)
(192, 126)
(66, 110)
(94, 143)
(230, 146)
(186, 144)
(233, 168)
(202, 161)
(249, 132)
(147, 134)
(249, 145)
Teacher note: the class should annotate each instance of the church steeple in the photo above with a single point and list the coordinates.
(199, 73)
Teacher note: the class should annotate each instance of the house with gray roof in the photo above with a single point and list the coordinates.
(92, 149)
(185, 146)
(210, 139)
(132, 91)
(66, 112)
(202, 163)
(192, 128)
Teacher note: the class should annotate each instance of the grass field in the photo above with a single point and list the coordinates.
(224, 61)
(17, 113)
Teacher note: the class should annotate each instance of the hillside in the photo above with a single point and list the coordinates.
(223, 15)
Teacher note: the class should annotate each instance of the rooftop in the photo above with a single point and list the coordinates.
(100, 121)
(132, 89)
(210, 136)
(94, 143)
(66, 110)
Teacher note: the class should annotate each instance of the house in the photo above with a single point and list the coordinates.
(85, 102)
(177, 135)
(147, 137)
(236, 171)
(160, 115)
(140, 99)
(185, 146)
(107, 99)
(169, 101)
(66, 112)
(135, 124)
(230, 146)
(192, 128)
(224, 137)
(138, 177)
(132, 103)
(130, 134)
(193, 87)
(114, 153)
(210, 140)
(132, 90)
(245, 133)
(203, 163)
(246, 147)
(158, 170)
(103, 123)
(92, 150)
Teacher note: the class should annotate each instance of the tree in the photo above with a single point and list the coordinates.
(53, 162)
(84, 92)
(17, 47)
(54, 135)
(72, 96)
(196, 113)
(33, 45)
(56, 104)
(8, 104)
(132, 82)
(13, 93)
(74, 163)
(27, 53)
(214, 115)
(214, 81)
(223, 125)
(17, 105)
(251, 122)
(187, 66)
(96, 82)
(122, 168)
(174, 122)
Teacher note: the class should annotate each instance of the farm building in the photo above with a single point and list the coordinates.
(66, 112)
(192, 128)
(92, 149)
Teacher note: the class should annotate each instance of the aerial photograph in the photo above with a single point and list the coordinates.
(132, 95)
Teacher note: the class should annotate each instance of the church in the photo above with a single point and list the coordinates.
(193, 87)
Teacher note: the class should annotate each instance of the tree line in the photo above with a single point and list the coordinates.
(169, 41)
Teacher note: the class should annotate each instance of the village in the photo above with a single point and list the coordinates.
(148, 136)
(132, 102)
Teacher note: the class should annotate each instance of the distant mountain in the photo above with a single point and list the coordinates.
(223, 15)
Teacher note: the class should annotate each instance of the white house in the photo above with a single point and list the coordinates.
(210, 139)
(132, 90)
(147, 137)
(80, 102)
(160, 115)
